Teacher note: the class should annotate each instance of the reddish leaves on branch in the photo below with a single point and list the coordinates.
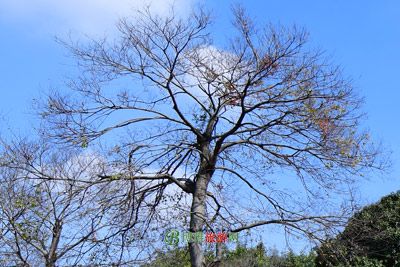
(326, 126)
(231, 95)
(267, 62)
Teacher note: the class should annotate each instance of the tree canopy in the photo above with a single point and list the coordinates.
(219, 117)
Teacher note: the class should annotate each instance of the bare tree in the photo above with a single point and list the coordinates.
(221, 122)
(51, 211)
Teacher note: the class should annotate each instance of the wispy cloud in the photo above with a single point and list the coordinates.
(90, 16)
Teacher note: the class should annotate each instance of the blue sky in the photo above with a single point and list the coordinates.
(361, 36)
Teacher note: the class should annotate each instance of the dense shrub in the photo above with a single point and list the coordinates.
(371, 237)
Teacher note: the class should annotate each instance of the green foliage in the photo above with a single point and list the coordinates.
(84, 142)
(243, 256)
(371, 237)
(302, 260)
(366, 262)
(178, 257)
(239, 257)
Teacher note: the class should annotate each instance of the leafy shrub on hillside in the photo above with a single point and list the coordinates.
(371, 237)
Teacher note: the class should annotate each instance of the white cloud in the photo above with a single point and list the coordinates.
(91, 17)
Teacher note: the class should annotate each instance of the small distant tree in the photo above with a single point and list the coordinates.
(218, 121)
(371, 235)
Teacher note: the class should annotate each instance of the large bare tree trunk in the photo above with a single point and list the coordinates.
(197, 216)
(52, 256)
(198, 208)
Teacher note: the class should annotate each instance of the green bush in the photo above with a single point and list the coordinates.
(371, 238)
